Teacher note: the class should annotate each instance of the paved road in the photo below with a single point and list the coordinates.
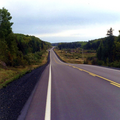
(75, 92)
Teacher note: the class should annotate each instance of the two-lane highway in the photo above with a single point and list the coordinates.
(74, 92)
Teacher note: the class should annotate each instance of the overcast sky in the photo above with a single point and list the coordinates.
(64, 20)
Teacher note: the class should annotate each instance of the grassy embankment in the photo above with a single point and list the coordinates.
(10, 74)
(76, 55)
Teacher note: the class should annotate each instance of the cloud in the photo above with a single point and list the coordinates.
(63, 19)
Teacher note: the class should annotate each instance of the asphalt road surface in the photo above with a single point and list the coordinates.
(74, 92)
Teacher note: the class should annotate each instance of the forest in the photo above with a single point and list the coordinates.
(107, 50)
(18, 49)
(71, 45)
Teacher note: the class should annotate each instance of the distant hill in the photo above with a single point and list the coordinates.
(54, 44)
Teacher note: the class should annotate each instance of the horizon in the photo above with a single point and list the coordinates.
(64, 21)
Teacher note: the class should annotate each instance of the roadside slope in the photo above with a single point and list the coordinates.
(15, 95)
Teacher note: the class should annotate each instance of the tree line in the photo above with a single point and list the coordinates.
(108, 52)
(71, 45)
(107, 49)
(18, 49)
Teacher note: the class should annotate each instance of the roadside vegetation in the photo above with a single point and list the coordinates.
(19, 53)
(103, 51)
(78, 55)
(10, 74)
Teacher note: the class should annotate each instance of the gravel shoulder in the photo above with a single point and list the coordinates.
(14, 96)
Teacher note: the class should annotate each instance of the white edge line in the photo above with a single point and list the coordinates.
(48, 100)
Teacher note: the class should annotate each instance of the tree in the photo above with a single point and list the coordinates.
(119, 32)
(100, 51)
(8, 45)
(18, 49)
(110, 32)
(5, 24)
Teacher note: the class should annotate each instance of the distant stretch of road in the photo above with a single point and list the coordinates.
(74, 92)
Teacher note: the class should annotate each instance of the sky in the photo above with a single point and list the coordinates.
(64, 20)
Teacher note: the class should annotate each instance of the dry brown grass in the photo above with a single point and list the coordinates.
(63, 57)
(44, 60)
(75, 56)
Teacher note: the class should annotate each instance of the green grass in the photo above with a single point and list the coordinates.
(11, 73)
(12, 76)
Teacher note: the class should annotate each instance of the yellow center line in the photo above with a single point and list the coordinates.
(56, 61)
(95, 75)
(115, 84)
(92, 74)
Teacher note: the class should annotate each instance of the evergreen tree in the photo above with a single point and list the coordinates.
(5, 24)
(100, 51)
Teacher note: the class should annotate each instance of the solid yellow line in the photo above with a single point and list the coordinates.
(74, 67)
(115, 85)
(92, 74)
(95, 75)
(105, 78)
(56, 61)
